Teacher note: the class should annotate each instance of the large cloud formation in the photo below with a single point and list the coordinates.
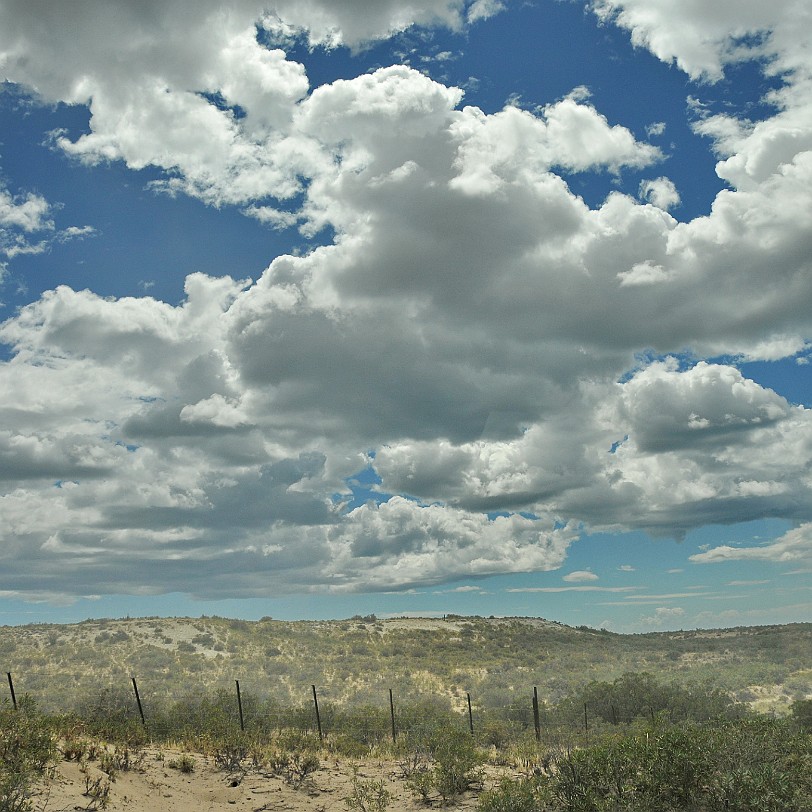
(473, 332)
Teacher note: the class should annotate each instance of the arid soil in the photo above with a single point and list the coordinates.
(155, 786)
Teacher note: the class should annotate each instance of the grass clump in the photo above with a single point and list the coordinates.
(185, 764)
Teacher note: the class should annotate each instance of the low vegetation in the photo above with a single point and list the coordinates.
(356, 661)
(752, 765)
(648, 745)
(659, 734)
(27, 751)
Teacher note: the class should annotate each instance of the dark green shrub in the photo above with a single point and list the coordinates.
(802, 714)
(751, 765)
(635, 696)
(748, 765)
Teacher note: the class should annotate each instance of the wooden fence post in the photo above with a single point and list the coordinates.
(586, 724)
(392, 715)
(138, 701)
(318, 716)
(536, 721)
(239, 706)
(470, 715)
(11, 688)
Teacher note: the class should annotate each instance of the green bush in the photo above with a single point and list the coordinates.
(27, 750)
(113, 714)
(802, 714)
(633, 696)
(752, 765)
(445, 763)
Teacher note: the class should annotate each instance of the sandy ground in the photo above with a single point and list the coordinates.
(154, 786)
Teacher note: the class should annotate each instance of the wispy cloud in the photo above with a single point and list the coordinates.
(794, 545)
(749, 583)
(574, 589)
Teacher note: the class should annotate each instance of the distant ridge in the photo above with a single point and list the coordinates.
(358, 659)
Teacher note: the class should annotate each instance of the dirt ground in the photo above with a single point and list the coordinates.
(155, 786)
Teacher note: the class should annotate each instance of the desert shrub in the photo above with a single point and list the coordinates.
(200, 717)
(367, 795)
(294, 740)
(757, 765)
(122, 758)
(230, 751)
(293, 767)
(97, 788)
(633, 696)
(365, 724)
(348, 746)
(498, 733)
(446, 762)
(184, 763)
(457, 763)
(524, 795)
(113, 714)
(802, 714)
(530, 757)
(27, 751)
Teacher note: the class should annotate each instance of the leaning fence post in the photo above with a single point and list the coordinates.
(536, 722)
(138, 701)
(470, 715)
(239, 706)
(586, 724)
(11, 688)
(318, 716)
(392, 714)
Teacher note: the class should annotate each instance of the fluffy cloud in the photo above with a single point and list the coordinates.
(660, 192)
(702, 39)
(474, 323)
(707, 447)
(516, 145)
(663, 614)
(579, 576)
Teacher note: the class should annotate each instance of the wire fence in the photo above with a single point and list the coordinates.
(370, 719)
(187, 708)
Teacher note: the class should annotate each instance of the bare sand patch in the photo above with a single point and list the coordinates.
(157, 787)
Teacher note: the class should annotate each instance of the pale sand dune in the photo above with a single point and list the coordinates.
(156, 787)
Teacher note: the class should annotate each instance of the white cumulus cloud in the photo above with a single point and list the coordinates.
(473, 332)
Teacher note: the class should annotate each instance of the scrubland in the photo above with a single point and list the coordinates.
(374, 715)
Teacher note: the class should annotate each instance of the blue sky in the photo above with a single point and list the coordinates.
(321, 309)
